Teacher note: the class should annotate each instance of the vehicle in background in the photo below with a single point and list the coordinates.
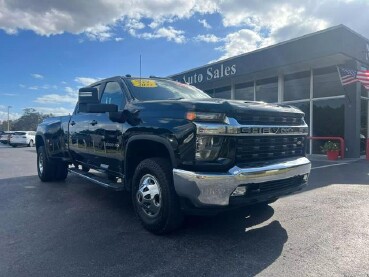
(5, 137)
(22, 138)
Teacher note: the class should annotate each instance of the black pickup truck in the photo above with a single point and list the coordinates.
(176, 149)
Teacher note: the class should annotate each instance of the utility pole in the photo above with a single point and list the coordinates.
(8, 118)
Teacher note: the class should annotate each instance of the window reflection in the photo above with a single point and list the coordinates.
(327, 82)
(297, 86)
(224, 92)
(267, 90)
(328, 120)
(244, 91)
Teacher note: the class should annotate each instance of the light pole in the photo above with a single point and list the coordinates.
(8, 117)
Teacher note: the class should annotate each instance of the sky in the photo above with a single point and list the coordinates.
(51, 48)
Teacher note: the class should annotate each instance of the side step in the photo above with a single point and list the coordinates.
(97, 180)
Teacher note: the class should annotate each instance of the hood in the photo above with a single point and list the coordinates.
(246, 112)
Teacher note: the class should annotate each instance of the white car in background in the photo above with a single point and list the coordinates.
(5, 137)
(22, 138)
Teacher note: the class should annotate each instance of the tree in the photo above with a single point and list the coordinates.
(27, 122)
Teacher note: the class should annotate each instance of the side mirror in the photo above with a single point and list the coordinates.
(88, 96)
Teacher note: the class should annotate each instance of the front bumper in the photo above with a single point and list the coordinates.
(215, 189)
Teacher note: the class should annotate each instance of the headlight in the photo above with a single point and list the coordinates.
(208, 147)
(208, 117)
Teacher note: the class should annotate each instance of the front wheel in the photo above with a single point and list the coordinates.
(49, 170)
(154, 199)
(45, 167)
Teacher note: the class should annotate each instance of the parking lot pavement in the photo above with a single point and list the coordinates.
(76, 228)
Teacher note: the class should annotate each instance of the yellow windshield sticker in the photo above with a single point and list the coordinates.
(144, 83)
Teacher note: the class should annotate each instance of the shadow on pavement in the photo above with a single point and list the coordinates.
(72, 227)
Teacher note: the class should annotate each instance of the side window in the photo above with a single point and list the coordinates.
(113, 95)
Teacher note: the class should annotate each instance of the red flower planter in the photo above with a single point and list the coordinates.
(333, 154)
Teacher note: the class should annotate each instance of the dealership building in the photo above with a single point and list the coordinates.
(301, 72)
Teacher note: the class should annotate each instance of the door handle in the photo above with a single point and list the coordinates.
(72, 123)
(93, 122)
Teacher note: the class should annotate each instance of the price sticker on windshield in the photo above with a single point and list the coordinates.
(144, 83)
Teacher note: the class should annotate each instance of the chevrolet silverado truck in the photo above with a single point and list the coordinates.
(176, 149)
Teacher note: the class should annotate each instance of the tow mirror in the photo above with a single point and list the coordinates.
(88, 96)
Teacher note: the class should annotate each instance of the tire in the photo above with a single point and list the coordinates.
(13, 145)
(61, 171)
(154, 199)
(45, 167)
(30, 144)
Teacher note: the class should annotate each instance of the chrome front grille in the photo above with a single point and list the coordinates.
(258, 148)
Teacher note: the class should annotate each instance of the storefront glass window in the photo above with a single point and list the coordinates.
(244, 91)
(224, 92)
(327, 82)
(267, 90)
(328, 120)
(305, 107)
(297, 86)
(210, 92)
(363, 125)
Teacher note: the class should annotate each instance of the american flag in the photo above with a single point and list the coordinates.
(349, 76)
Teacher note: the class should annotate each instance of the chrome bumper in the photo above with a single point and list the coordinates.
(215, 189)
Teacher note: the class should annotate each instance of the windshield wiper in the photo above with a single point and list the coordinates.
(179, 98)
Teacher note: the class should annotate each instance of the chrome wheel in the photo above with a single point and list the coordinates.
(41, 163)
(148, 195)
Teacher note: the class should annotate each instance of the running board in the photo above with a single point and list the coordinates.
(97, 180)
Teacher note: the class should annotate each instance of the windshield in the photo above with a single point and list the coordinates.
(160, 89)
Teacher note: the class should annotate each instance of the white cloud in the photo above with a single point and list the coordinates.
(57, 99)
(4, 114)
(57, 111)
(70, 97)
(37, 76)
(243, 41)
(270, 21)
(85, 81)
(9, 94)
(99, 33)
(207, 38)
(69, 90)
(95, 18)
(204, 23)
(169, 33)
(133, 23)
(118, 39)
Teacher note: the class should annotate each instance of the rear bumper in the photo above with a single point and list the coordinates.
(18, 143)
(262, 183)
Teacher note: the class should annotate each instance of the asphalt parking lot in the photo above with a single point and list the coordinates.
(76, 228)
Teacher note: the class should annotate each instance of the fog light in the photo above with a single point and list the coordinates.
(305, 178)
(239, 191)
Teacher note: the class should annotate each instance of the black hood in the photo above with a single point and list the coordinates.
(246, 112)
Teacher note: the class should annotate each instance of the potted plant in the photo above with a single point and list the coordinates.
(332, 149)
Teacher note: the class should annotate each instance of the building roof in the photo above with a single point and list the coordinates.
(334, 45)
